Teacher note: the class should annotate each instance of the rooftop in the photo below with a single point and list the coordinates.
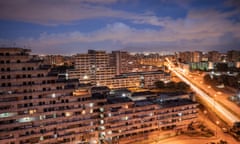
(114, 99)
(143, 93)
(143, 103)
(174, 103)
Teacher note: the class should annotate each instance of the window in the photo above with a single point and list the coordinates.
(3, 77)
(2, 62)
(2, 69)
(18, 61)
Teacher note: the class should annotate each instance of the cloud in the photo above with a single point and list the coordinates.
(196, 31)
(56, 11)
(200, 29)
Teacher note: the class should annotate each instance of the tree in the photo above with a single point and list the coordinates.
(159, 84)
(221, 67)
(182, 86)
(171, 85)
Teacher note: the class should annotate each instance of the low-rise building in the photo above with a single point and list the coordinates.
(136, 79)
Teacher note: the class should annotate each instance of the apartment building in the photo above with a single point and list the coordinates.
(124, 62)
(233, 56)
(36, 106)
(93, 66)
(127, 119)
(214, 56)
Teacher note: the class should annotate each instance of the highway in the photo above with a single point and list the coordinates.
(222, 112)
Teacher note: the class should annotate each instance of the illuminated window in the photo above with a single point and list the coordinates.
(83, 112)
(91, 110)
(91, 104)
(32, 111)
(67, 114)
(101, 121)
(109, 132)
(101, 109)
(53, 95)
(41, 138)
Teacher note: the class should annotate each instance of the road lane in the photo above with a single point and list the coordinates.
(222, 112)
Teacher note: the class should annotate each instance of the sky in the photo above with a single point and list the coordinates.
(74, 26)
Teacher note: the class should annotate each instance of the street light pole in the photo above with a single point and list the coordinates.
(217, 122)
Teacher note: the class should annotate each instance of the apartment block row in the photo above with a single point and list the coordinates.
(116, 70)
(38, 106)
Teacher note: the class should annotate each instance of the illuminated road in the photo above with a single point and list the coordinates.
(220, 110)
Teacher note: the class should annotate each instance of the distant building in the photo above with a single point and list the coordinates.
(92, 67)
(57, 60)
(214, 56)
(137, 79)
(196, 56)
(184, 57)
(233, 56)
(123, 61)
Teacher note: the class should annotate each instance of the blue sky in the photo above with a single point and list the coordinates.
(73, 26)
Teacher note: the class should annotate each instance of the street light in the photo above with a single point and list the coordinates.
(217, 123)
(205, 115)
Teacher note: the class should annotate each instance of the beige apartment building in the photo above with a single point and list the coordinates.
(90, 67)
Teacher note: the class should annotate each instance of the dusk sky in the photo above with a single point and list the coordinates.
(74, 26)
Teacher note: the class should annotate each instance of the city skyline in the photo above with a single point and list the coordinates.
(68, 27)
